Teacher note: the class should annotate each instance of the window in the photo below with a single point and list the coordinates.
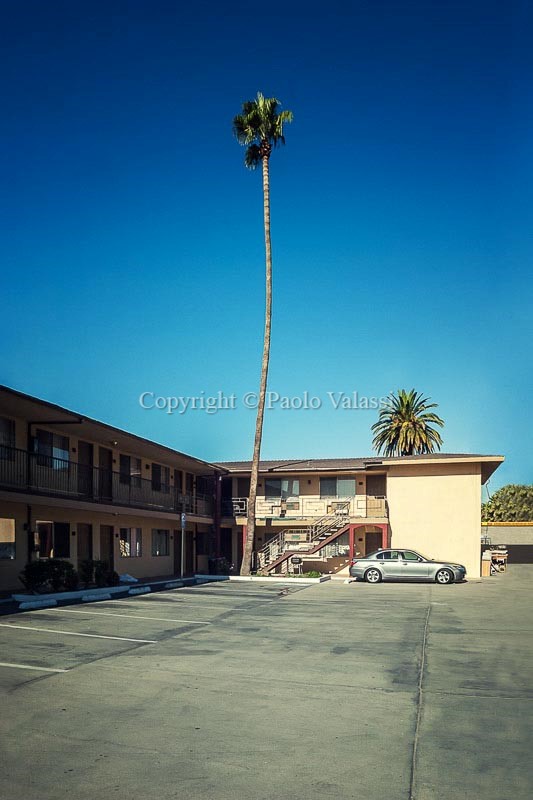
(408, 555)
(160, 542)
(337, 487)
(328, 487)
(130, 542)
(286, 487)
(7, 438)
(345, 487)
(388, 555)
(7, 538)
(130, 471)
(160, 478)
(53, 450)
(52, 539)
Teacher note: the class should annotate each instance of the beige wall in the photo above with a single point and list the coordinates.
(436, 512)
(142, 567)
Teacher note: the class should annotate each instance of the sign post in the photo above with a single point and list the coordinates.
(296, 563)
(183, 523)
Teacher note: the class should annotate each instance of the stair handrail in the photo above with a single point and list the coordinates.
(276, 546)
(331, 520)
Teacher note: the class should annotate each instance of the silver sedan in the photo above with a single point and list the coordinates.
(397, 565)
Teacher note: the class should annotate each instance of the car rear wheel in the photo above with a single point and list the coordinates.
(372, 575)
(444, 576)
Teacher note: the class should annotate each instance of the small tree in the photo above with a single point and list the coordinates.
(511, 503)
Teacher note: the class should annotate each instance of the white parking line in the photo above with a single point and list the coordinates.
(75, 633)
(128, 616)
(28, 666)
(152, 598)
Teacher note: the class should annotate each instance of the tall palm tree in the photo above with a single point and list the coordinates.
(260, 128)
(404, 426)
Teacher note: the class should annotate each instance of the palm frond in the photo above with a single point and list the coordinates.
(404, 426)
(260, 123)
(252, 157)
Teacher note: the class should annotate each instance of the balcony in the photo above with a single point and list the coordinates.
(34, 473)
(304, 507)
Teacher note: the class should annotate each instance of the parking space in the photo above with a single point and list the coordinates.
(56, 640)
(245, 691)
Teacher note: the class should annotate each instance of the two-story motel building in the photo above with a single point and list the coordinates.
(75, 488)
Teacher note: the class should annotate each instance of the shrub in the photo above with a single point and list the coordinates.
(52, 574)
(219, 566)
(35, 575)
(103, 576)
(86, 570)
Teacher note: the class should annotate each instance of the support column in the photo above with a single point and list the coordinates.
(218, 512)
(351, 538)
(385, 539)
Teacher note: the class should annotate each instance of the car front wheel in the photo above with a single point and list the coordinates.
(372, 575)
(444, 576)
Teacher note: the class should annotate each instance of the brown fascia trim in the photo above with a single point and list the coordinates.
(79, 418)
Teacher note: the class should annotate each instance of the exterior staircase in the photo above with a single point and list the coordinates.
(304, 541)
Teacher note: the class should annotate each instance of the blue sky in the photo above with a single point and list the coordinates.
(131, 233)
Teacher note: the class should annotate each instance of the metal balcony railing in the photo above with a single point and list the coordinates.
(55, 477)
(360, 506)
(235, 507)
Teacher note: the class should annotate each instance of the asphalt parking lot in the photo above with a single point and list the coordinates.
(235, 691)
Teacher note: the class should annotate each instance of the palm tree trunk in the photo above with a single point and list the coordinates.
(246, 565)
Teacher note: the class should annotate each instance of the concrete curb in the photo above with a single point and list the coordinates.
(277, 579)
(38, 604)
(28, 602)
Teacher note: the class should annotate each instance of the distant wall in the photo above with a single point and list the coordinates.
(518, 538)
(508, 534)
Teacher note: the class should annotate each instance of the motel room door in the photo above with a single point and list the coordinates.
(85, 469)
(105, 473)
(85, 541)
(107, 547)
(373, 541)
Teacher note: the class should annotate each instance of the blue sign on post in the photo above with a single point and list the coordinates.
(183, 519)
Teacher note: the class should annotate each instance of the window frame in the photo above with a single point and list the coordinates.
(405, 553)
(388, 555)
(46, 446)
(158, 532)
(129, 541)
(6, 544)
(160, 478)
(327, 495)
(283, 493)
(7, 439)
(130, 470)
(53, 538)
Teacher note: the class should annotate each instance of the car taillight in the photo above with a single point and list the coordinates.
(354, 561)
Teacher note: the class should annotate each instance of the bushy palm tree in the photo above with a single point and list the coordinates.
(404, 427)
(260, 128)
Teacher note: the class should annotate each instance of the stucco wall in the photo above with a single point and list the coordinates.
(436, 509)
(143, 566)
